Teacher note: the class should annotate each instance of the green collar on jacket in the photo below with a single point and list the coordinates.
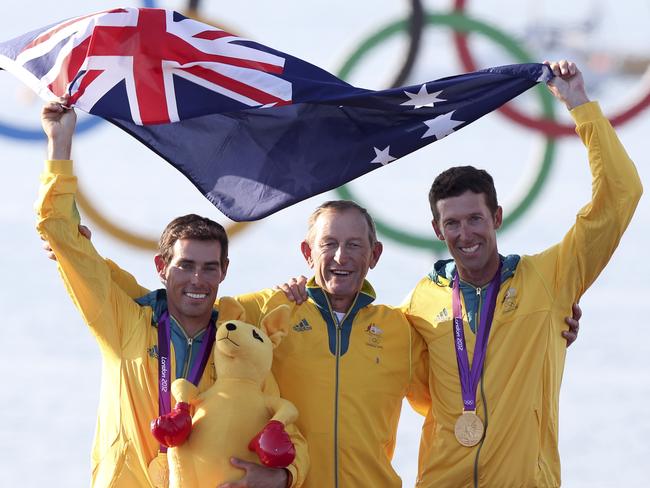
(364, 298)
(443, 272)
(185, 351)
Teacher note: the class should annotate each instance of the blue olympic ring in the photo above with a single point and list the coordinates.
(26, 134)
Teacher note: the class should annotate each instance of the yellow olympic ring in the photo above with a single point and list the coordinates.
(134, 239)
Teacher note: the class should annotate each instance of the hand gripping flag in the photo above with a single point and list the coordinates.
(254, 129)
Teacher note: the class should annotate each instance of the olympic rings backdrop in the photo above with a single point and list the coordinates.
(460, 24)
(49, 398)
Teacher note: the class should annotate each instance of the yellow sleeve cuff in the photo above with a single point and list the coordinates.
(587, 112)
(59, 166)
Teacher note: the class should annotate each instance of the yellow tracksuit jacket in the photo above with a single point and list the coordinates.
(348, 382)
(123, 446)
(518, 396)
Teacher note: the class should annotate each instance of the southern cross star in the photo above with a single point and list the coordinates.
(422, 98)
(382, 156)
(441, 126)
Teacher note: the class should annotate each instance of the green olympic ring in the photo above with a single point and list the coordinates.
(461, 23)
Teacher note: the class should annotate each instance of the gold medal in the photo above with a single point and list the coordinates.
(159, 471)
(469, 429)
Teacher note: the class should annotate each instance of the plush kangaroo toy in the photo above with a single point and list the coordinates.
(233, 417)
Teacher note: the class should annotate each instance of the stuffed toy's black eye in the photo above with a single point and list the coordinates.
(257, 336)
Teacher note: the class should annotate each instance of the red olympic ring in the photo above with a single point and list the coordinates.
(548, 127)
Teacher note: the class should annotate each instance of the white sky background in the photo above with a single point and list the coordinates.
(51, 363)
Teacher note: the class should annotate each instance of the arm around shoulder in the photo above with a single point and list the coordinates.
(418, 394)
(256, 304)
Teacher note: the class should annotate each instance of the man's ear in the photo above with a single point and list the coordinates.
(437, 230)
(305, 248)
(377, 249)
(161, 268)
(224, 269)
(498, 217)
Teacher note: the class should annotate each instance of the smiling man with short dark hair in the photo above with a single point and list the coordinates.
(146, 340)
(492, 323)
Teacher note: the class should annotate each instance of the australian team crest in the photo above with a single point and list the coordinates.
(374, 335)
(510, 300)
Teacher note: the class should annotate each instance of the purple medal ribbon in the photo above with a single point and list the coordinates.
(469, 378)
(164, 383)
(164, 402)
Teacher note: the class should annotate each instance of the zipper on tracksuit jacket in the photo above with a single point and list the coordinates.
(188, 351)
(336, 404)
(338, 323)
(331, 317)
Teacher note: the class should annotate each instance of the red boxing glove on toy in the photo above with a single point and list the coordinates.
(273, 446)
(174, 427)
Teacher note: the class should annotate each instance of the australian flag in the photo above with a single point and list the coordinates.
(254, 129)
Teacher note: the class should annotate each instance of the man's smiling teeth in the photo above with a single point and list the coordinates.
(196, 295)
(469, 249)
(338, 272)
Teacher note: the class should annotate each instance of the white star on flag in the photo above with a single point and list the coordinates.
(383, 156)
(422, 98)
(441, 126)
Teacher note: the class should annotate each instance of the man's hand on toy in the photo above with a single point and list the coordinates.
(258, 476)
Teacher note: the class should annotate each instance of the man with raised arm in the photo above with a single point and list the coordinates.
(492, 322)
(148, 342)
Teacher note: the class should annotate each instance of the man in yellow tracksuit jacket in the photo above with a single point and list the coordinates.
(518, 391)
(347, 376)
(127, 331)
(346, 363)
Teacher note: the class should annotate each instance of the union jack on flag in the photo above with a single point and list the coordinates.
(136, 54)
(253, 128)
